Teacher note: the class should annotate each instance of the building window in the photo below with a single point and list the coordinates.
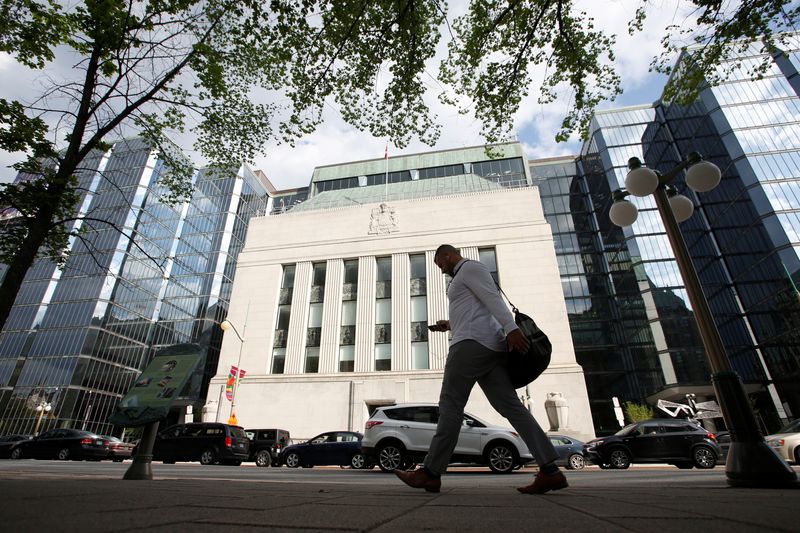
(383, 357)
(419, 356)
(312, 360)
(419, 313)
(318, 283)
(350, 287)
(488, 258)
(347, 337)
(418, 275)
(347, 357)
(284, 311)
(278, 360)
(383, 313)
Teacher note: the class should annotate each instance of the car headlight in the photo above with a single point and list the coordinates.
(776, 443)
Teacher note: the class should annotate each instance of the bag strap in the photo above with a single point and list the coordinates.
(513, 307)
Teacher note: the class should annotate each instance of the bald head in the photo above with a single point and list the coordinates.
(446, 258)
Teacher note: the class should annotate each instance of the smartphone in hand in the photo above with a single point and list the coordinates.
(435, 327)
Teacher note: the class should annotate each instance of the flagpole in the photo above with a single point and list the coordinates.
(386, 178)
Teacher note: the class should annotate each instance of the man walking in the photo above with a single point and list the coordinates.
(483, 331)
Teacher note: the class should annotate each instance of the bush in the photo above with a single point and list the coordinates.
(636, 412)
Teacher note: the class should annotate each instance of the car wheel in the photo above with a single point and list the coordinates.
(63, 454)
(704, 457)
(293, 460)
(16, 453)
(263, 458)
(797, 455)
(208, 457)
(620, 459)
(391, 457)
(575, 462)
(501, 458)
(358, 461)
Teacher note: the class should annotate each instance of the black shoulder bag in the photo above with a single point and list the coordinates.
(525, 367)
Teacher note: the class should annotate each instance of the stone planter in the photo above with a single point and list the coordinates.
(557, 411)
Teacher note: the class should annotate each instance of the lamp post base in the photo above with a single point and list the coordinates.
(141, 468)
(755, 464)
(751, 462)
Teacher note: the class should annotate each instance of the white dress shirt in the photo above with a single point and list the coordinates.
(477, 312)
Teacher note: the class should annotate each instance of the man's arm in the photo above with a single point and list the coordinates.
(479, 280)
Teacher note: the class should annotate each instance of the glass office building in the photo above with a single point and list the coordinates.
(151, 275)
(632, 324)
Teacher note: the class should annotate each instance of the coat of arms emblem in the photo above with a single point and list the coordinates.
(383, 220)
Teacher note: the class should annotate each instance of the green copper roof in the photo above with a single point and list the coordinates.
(400, 191)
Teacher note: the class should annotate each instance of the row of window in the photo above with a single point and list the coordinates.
(503, 170)
(418, 331)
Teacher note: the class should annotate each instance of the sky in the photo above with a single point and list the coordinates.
(535, 125)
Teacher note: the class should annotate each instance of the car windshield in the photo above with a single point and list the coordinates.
(627, 430)
(791, 427)
(112, 439)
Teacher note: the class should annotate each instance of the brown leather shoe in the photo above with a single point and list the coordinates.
(544, 483)
(419, 479)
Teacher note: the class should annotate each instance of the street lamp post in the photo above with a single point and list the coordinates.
(226, 325)
(751, 462)
(42, 408)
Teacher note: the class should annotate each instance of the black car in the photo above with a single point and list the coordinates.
(341, 448)
(207, 442)
(62, 444)
(9, 441)
(676, 442)
(266, 445)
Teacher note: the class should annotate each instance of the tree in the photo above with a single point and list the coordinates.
(239, 73)
(636, 412)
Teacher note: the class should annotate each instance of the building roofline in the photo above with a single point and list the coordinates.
(416, 154)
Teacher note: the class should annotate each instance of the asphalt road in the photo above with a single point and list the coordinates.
(457, 477)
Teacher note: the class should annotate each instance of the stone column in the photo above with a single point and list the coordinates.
(331, 317)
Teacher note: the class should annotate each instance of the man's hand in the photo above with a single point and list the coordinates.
(441, 325)
(517, 341)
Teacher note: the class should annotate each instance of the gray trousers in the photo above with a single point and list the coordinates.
(469, 362)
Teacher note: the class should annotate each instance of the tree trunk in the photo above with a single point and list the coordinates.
(38, 229)
(17, 269)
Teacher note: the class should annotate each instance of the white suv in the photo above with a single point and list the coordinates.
(398, 436)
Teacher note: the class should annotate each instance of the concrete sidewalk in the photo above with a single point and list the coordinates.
(89, 504)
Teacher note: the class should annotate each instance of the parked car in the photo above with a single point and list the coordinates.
(724, 441)
(570, 451)
(117, 449)
(207, 442)
(331, 448)
(63, 444)
(9, 441)
(787, 442)
(673, 441)
(398, 436)
(266, 445)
